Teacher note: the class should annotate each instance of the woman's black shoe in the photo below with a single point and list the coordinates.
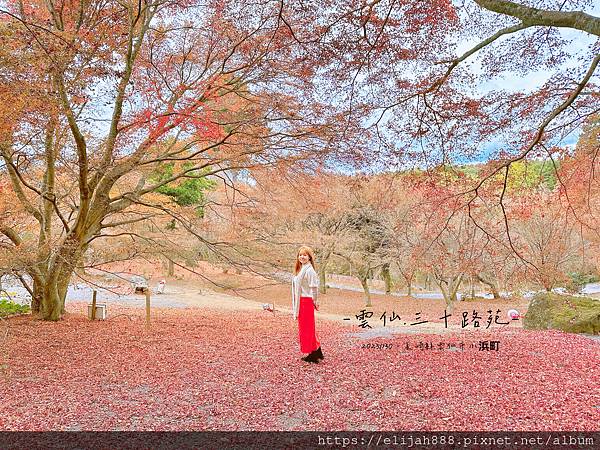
(311, 357)
(319, 353)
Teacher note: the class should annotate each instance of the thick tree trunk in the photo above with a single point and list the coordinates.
(443, 287)
(50, 299)
(454, 286)
(449, 288)
(365, 285)
(323, 270)
(428, 282)
(55, 282)
(493, 285)
(37, 296)
(51, 306)
(472, 287)
(408, 277)
(52, 296)
(495, 292)
(385, 273)
(322, 279)
(63, 287)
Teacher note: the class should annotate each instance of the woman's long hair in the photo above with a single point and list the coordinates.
(311, 257)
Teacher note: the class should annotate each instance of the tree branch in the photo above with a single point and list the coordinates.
(542, 17)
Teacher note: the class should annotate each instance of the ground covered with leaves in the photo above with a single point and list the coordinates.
(201, 369)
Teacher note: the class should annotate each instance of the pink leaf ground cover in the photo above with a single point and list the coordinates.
(204, 369)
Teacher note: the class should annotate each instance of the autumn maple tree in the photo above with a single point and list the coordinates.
(441, 82)
(106, 104)
(99, 98)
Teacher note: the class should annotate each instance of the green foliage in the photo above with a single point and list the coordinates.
(523, 175)
(530, 174)
(567, 313)
(580, 279)
(185, 191)
(8, 308)
(470, 171)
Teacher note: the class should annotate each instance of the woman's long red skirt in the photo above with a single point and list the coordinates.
(306, 326)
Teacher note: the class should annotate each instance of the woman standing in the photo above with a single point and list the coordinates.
(305, 288)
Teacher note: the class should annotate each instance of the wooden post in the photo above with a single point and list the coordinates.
(94, 305)
(148, 307)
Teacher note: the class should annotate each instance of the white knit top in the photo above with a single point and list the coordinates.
(305, 284)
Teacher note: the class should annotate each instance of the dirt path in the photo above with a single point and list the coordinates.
(187, 293)
(213, 300)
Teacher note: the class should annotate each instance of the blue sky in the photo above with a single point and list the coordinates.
(581, 42)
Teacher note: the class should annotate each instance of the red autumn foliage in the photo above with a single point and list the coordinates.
(200, 369)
